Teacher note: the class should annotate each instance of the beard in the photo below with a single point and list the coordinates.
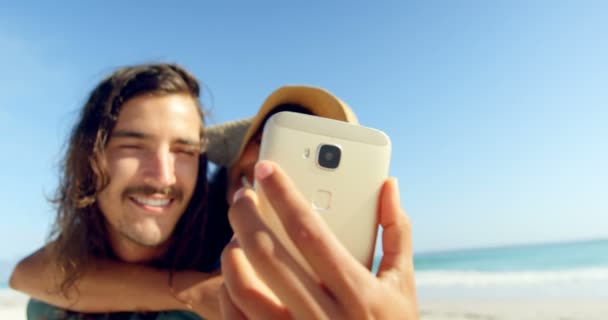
(142, 233)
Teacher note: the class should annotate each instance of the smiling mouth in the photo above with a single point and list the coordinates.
(150, 202)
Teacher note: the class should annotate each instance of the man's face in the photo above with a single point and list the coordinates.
(152, 160)
(243, 168)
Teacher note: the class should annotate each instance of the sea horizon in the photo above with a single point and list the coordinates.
(564, 270)
(552, 280)
(510, 245)
(567, 259)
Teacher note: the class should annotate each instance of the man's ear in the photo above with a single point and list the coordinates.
(99, 169)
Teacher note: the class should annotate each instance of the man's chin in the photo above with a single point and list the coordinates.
(148, 236)
(146, 241)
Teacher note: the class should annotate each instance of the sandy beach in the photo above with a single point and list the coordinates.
(513, 310)
(12, 305)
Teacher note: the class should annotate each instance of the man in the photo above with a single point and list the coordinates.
(241, 161)
(133, 183)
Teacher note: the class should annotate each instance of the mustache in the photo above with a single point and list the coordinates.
(148, 190)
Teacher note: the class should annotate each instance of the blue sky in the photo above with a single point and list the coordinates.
(497, 109)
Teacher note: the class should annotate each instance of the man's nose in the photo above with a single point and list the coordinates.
(161, 170)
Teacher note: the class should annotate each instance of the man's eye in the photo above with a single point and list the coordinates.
(129, 147)
(188, 151)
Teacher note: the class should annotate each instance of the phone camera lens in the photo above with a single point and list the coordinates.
(329, 156)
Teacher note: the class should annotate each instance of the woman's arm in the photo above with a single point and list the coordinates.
(109, 286)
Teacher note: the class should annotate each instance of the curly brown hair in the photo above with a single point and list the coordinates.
(79, 232)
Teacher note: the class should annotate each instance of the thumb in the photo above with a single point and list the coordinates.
(396, 236)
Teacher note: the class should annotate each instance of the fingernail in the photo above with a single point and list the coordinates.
(263, 170)
(396, 183)
(238, 194)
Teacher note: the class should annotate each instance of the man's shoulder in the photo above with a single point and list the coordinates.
(38, 310)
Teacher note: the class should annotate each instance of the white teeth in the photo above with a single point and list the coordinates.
(246, 182)
(153, 202)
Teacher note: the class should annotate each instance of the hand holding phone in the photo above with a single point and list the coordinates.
(263, 281)
(339, 168)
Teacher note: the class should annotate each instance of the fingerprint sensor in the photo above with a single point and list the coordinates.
(321, 200)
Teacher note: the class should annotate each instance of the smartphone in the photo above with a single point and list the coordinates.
(338, 167)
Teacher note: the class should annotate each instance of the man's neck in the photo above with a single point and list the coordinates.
(131, 252)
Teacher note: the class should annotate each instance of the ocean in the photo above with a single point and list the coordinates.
(568, 270)
(543, 281)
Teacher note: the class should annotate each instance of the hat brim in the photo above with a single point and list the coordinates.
(318, 101)
(227, 141)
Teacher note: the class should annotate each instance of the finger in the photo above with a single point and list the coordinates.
(227, 307)
(247, 293)
(340, 272)
(396, 265)
(297, 290)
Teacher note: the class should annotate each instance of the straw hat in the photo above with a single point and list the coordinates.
(226, 141)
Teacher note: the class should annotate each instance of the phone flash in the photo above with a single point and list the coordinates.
(306, 153)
